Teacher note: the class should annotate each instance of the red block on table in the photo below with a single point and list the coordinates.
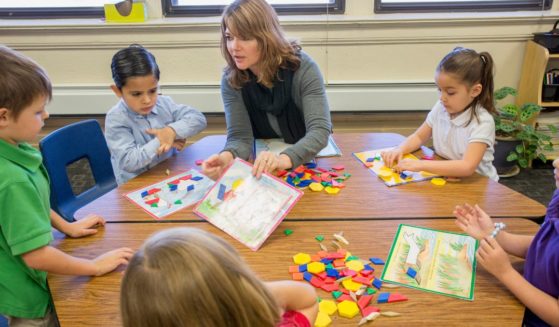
(395, 297)
(344, 297)
(368, 310)
(330, 287)
(362, 280)
(316, 282)
(364, 301)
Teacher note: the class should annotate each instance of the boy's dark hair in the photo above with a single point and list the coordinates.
(22, 80)
(133, 61)
(471, 68)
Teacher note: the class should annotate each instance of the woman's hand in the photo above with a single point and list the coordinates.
(215, 165)
(265, 162)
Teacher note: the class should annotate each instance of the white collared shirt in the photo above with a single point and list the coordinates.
(451, 137)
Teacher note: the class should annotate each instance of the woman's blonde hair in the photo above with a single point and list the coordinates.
(256, 19)
(189, 277)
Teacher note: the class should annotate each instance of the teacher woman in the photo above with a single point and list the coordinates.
(270, 89)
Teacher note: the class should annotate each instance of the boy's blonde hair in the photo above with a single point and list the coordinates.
(22, 81)
(256, 19)
(189, 277)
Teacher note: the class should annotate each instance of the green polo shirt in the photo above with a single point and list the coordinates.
(24, 226)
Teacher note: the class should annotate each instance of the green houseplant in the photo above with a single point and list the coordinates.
(514, 122)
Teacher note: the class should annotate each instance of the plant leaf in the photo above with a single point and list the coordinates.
(512, 156)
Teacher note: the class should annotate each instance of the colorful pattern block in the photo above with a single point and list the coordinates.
(322, 320)
(348, 309)
(383, 298)
(327, 306)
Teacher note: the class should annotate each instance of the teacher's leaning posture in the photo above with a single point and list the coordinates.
(270, 89)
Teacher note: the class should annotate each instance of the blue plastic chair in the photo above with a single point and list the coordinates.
(65, 146)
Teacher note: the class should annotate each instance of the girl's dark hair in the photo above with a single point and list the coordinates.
(471, 68)
(133, 61)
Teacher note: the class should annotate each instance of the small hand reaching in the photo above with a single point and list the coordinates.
(166, 137)
(109, 261)
(392, 157)
(493, 258)
(84, 227)
(473, 221)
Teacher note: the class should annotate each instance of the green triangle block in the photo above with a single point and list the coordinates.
(178, 202)
(154, 205)
(329, 266)
(351, 257)
(319, 238)
(288, 232)
(336, 294)
(371, 291)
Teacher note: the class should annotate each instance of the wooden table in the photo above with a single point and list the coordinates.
(83, 301)
(365, 195)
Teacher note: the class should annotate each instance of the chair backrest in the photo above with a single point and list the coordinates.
(65, 146)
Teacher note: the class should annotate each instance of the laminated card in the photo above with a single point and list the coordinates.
(432, 260)
(172, 194)
(246, 208)
(373, 161)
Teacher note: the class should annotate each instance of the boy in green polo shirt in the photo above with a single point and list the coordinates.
(26, 219)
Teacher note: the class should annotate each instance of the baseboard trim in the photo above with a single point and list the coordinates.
(345, 97)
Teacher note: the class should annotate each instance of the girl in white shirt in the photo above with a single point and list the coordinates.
(460, 123)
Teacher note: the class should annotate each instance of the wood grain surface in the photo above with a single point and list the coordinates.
(84, 301)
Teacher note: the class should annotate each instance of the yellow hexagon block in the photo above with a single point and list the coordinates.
(351, 285)
(316, 187)
(438, 181)
(327, 306)
(322, 320)
(348, 309)
(332, 190)
(385, 172)
(315, 267)
(355, 265)
(301, 258)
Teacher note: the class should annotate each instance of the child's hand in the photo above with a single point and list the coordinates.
(214, 166)
(473, 220)
(179, 144)
(493, 258)
(84, 227)
(391, 157)
(109, 261)
(408, 164)
(166, 137)
(265, 162)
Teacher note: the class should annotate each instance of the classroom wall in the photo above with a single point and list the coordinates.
(370, 62)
